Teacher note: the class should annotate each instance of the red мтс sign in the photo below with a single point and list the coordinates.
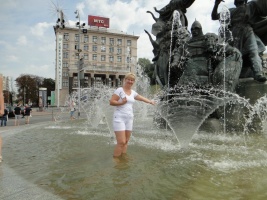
(98, 21)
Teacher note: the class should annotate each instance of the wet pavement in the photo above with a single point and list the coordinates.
(12, 186)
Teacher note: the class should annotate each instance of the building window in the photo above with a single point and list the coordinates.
(119, 51)
(103, 49)
(119, 58)
(103, 57)
(75, 82)
(95, 39)
(111, 58)
(94, 56)
(65, 54)
(86, 47)
(76, 38)
(65, 74)
(65, 65)
(85, 56)
(129, 43)
(86, 38)
(65, 46)
(103, 40)
(119, 41)
(111, 49)
(111, 41)
(65, 83)
(66, 36)
(94, 48)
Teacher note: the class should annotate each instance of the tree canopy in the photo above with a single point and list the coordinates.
(148, 68)
(28, 87)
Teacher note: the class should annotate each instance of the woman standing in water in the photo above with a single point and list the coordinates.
(123, 98)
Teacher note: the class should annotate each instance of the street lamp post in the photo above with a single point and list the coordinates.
(79, 25)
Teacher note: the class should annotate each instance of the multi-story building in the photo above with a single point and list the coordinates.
(6, 83)
(102, 56)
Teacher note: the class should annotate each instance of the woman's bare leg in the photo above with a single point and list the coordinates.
(121, 140)
(128, 135)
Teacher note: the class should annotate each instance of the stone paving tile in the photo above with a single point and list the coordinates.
(14, 187)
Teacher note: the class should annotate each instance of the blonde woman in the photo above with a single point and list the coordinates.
(123, 99)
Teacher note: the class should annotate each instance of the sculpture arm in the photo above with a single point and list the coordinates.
(215, 15)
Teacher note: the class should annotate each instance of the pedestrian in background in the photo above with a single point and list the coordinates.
(72, 109)
(27, 112)
(17, 113)
(4, 117)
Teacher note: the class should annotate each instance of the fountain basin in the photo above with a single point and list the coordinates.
(74, 161)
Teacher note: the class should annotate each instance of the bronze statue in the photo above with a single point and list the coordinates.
(202, 61)
(245, 39)
(162, 29)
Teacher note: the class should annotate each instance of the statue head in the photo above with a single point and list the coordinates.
(196, 29)
(240, 2)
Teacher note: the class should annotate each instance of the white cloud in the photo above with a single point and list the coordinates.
(47, 47)
(22, 40)
(40, 28)
(39, 70)
(80, 7)
(12, 58)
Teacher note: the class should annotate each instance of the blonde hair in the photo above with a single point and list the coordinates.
(130, 75)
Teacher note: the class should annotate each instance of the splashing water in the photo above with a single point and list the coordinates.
(186, 110)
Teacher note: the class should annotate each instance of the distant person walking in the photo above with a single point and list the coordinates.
(72, 109)
(4, 117)
(17, 113)
(27, 112)
(123, 99)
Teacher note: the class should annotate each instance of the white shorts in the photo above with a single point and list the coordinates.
(122, 122)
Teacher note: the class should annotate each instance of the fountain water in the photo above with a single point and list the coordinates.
(74, 161)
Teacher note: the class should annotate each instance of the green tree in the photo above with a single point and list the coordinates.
(28, 87)
(148, 68)
(49, 84)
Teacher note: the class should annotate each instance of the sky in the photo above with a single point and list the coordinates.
(27, 38)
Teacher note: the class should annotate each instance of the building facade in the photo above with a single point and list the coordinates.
(96, 56)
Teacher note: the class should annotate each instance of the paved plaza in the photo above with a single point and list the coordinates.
(12, 186)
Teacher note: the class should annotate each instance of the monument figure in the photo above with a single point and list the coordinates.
(162, 30)
(203, 62)
(244, 38)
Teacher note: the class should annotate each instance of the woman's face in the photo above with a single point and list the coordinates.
(129, 81)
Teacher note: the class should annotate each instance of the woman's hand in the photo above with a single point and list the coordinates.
(124, 100)
(152, 102)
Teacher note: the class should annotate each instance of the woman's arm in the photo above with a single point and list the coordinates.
(141, 98)
(114, 101)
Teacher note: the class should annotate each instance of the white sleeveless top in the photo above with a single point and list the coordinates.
(128, 107)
